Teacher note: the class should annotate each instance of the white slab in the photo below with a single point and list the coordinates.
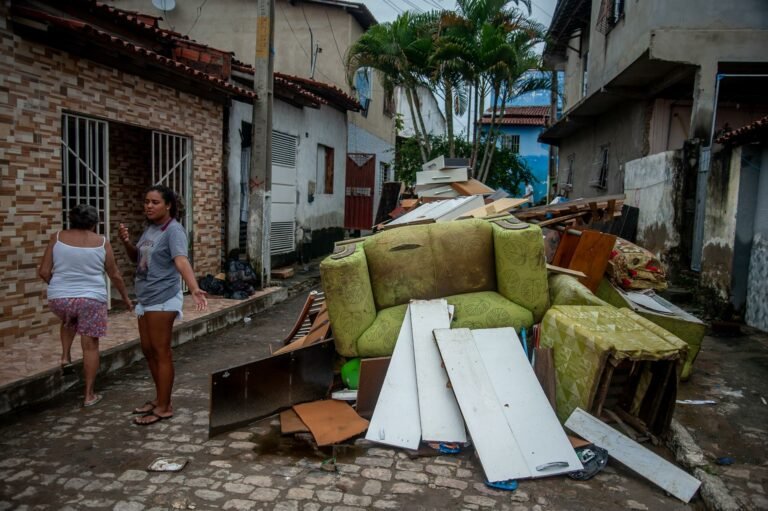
(648, 302)
(499, 453)
(441, 419)
(441, 162)
(395, 419)
(440, 211)
(534, 424)
(441, 191)
(654, 468)
(432, 177)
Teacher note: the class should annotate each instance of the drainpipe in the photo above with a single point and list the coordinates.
(701, 181)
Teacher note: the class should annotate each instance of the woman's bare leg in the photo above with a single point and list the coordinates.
(146, 348)
(159, 330)
(67, 338)
(90, 364)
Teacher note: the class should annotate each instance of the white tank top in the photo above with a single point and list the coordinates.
(78, 272)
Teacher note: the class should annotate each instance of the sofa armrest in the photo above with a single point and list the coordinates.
(521, 272)
(567, 290)
(349, 298)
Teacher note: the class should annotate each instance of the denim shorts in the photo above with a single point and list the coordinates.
(175, 303)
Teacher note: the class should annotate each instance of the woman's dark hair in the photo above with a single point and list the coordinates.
(83, 216)
(169, 196)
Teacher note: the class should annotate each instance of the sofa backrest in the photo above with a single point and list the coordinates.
(430, 261)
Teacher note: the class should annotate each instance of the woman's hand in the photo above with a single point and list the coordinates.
(200, 298)
(129, 304)
(122, 233)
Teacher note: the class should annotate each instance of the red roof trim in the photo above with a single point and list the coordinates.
(744, 134)
(80, 26)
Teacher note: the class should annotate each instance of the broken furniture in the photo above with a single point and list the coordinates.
(665, 314)
(586, 251)
(437, 211)
(575, 212)
(614, 360)
(492, 272)
(632, 267)
(313, 305)
(261, 388)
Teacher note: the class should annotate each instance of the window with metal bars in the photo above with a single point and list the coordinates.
(511, 142)
(601, 179)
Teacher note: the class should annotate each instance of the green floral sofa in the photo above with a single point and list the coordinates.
(492, 272)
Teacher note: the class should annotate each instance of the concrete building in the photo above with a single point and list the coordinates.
(519, 130)
(648, 87)
(311, 41)
(434, 119)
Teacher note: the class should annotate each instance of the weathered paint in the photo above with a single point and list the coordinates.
(651, 184)
(720, 222)
(757, 291)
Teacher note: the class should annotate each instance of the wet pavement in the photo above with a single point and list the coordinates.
(62, 456)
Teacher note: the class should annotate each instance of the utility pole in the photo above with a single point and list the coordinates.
(260, 184)
(552, 170)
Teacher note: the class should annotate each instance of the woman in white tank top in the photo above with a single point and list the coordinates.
(73, 266)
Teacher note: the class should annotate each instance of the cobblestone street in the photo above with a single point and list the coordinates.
(61, 456)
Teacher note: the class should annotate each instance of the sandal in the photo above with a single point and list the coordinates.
(157, 417)
(143, 410)
(94, 401)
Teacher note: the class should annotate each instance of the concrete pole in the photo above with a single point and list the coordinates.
(260, 185)
(552, 170)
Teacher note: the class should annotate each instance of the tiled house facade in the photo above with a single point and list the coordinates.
(38, 85)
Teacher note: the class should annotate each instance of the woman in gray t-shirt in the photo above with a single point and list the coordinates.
(160, 257)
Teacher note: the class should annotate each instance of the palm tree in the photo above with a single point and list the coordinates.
(398, 51)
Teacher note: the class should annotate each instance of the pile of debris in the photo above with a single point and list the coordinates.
(603, 363)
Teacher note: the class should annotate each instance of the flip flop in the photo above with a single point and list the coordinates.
(151, 414)
(139, 411)
(95, 401)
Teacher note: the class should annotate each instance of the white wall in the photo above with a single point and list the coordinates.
(434, 120)
(326, 126)
(649, 184)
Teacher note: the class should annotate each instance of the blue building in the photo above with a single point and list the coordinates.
(519, 130)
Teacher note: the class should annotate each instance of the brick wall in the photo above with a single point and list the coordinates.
(38, 84)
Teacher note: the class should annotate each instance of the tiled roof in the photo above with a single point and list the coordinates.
(746, 134)
(326, 93)
(97, 34)
(519, 116)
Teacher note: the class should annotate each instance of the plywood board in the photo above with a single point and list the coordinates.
(636, 457)
(290, 423)
(498, 206)
(441, 419)
(565, 249)
(395, 419)
(496, 446)
(372, 374)
(591, 257)
(544, 368)
(330, 421)
(472, 187)
(533, 422)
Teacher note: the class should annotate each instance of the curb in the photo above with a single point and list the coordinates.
(713, 492)
(39, 388)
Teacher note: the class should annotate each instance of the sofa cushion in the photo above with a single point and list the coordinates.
(401, 266)
(423, 262)
(521, 271)
(485, 309)
(464, 259)
(488, 309)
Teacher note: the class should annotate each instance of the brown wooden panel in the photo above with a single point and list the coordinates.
(372, 373)
(591, 257)
(565, 250)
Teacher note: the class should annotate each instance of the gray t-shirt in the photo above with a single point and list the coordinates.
(157, 279)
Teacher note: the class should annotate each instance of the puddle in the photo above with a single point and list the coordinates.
(270, 442)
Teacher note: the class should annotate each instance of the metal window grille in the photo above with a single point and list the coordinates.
(611, 11)
(511, 142)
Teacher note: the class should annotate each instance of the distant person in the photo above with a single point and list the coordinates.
(73, 266)
(528, 195)
(160, 257)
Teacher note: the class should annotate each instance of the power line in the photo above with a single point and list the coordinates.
(199, 13)
(393, 5)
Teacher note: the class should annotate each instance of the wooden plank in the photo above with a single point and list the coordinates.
(565, 271)
(290, 423)
(565, 249)
(544, 367)
(441, 419)
(636, 457)
(472, 187)
(559, 219)
(493, 440)
(330, 421)
(395, 419)
(372, 374)
(591, 256)
(496, 207)
(285, 272)
(533, 422)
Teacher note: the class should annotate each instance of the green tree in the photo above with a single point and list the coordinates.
(507, 171)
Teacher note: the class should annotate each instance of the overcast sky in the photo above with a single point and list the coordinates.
(387, 10)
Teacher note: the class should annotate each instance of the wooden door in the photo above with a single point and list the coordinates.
(358, 192)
